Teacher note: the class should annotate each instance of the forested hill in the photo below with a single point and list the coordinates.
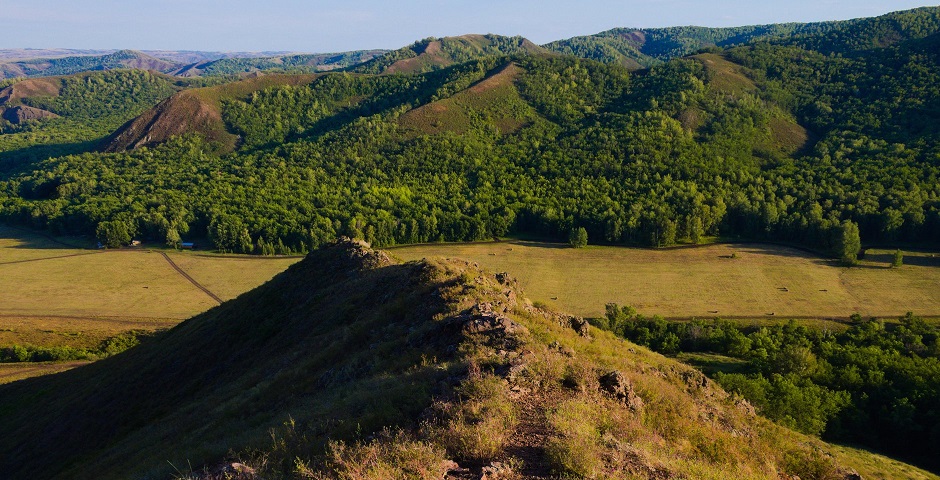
(184, 64)
(645, 47)
(773, 140)
(436, 53)
(69, 65)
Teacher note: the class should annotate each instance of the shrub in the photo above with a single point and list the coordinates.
(477, 425)
(576, 448)
(578, 237)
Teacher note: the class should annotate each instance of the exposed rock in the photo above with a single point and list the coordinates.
(504, 278)
(580, 325)
(745, 407)
(849, 474)
(22, 113)
(562, 349)
(616, 384)
(496, 471)
(694, 379)
(491, 323)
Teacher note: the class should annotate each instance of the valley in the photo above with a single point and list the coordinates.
(367, 301)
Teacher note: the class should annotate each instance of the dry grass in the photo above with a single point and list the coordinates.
(113, 284)
(58, 296)
(229, 277)
(706, 282)
(495, 97)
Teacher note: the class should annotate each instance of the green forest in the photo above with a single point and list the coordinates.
(876, 384)
(772, 140)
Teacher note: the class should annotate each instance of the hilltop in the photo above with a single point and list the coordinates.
(194, 111)
(437, 53)
(451, 372)
(299, 63)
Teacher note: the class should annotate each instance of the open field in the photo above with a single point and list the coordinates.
(706, 281)
(59, 296)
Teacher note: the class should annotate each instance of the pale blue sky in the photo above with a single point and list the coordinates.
(323, 26)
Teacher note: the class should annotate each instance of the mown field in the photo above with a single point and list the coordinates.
(56, 295)
(727, 280)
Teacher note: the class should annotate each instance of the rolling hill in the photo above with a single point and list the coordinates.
(301, 63)
(451, 372)
(642, 48)
(69, 65)
(20, 63)
(768, 140)
(195, 111)
(437, 53)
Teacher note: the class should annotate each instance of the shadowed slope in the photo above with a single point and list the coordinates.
(345, 343)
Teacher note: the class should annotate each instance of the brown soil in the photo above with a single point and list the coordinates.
(34, 87)
(22, 113)
(194, 111)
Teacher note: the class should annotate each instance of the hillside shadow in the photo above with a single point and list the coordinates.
(787, 251)
(34, 240)
(22, 159)
(919, 260)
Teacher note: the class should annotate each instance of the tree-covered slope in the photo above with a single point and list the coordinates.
(436, 53)
(350, 364)
(52, 116)
(640, 48)
(763, 141)
(302, 63)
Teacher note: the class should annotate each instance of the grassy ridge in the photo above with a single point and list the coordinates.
(452, 361)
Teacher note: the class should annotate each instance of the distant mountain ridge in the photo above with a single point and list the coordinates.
(57, 62)
(645, 47)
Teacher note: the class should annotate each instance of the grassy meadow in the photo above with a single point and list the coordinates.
(726, 280)
(55, 295)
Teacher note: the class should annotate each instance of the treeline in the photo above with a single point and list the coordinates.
(658, 157)
(304, 63)
(108, 347)
(875, 384)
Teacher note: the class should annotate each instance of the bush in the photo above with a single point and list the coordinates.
(477, 425)
(578, 237)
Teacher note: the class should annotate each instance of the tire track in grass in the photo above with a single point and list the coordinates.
(191, 279)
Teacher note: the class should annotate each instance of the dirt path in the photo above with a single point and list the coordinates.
(191, 279)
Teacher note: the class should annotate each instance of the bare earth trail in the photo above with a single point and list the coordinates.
(191, 279)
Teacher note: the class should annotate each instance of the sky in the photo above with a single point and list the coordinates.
(333, 26)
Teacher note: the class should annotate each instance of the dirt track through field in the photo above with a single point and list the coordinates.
(191, 279)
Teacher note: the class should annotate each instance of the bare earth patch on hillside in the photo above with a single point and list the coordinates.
(762, 281)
